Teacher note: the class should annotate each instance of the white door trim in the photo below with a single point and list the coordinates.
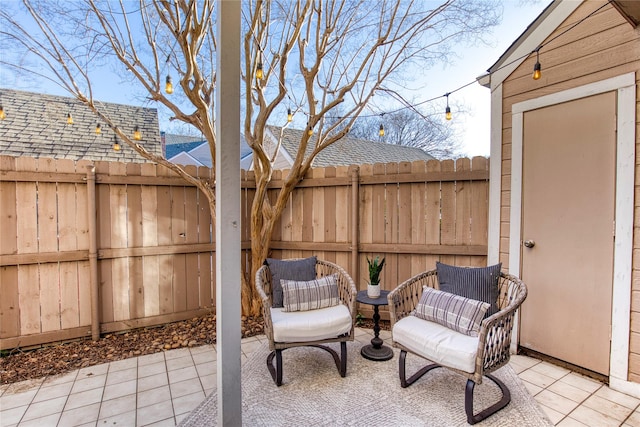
(625, 176)
(495, 179)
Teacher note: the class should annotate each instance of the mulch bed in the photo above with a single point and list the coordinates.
(19, 365)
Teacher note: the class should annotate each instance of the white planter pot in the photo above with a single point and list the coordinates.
(373, 291)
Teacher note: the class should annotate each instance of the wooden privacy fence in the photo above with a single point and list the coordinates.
(144, 235)
(144, 239)
(413, 214)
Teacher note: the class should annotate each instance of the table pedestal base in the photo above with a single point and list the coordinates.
(382, 353)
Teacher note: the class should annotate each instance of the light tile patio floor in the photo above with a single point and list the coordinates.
(161, 389)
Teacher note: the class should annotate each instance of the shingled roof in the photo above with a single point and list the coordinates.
(350, 151)
(36, 126)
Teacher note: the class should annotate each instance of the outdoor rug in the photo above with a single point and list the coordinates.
(314, 394)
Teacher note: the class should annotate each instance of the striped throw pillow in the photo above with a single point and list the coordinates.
(310, 295)
(453, 311)
(471, 282)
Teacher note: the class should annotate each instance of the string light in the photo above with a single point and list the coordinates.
(447, 111)
(537, 68)
(537, 73)
(259, 73)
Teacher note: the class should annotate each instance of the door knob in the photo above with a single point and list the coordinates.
(529, 243)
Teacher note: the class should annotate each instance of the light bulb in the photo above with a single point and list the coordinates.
(289, 115)
(259, 73)
(69, 119)
(169, 86)
(310, 131)
(381, 131)
(116, 146)
(2, 113)
(447, 113)
(98, 129)
(537, 71)
(137, 135)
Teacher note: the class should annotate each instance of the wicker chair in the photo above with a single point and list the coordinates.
(347, 295)
(493, 341)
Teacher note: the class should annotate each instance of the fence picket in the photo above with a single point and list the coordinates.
(155, 236)
(9, 303)
(67, 235)
(405, 220)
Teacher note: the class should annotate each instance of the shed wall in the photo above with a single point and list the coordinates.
(603, 46)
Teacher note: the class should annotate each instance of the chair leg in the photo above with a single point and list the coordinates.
(340, 361)
(276, 372)
(404, 382)
(468, 401)
(343, 359)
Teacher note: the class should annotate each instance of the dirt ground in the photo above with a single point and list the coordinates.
(19, 365)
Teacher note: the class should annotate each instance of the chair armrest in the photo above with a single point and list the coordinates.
(347, 290)
(495, 331)
(404, 298)
(263, 286)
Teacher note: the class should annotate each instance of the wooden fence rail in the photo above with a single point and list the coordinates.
(94, 247)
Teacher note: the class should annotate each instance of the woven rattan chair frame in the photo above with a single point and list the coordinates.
(346, 292)
(494, 335)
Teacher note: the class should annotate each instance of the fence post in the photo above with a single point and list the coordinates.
(93, 252)
(355, 229)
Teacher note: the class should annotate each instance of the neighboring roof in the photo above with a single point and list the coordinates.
(190, 150)
(172, 138)
(36, 126)
(172, 149)
(346, 151)
(351, 151)
(183, 158)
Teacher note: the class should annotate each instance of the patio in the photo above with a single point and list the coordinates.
(162, 388)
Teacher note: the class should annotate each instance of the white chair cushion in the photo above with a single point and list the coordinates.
(312, 325)
(437, 343)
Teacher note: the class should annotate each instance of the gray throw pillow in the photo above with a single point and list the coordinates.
(296, 269)
(453, 311)
(476, 283)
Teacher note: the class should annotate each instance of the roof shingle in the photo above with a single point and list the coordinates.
(36, 126)
(351, 151)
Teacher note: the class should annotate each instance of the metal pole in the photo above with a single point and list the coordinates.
(228, 248)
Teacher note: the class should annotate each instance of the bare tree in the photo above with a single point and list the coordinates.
(310, 56)
(432, 133)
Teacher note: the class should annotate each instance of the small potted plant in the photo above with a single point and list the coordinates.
(375, 267)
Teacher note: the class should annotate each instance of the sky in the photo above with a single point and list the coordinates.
(472, 127)
(472, 62)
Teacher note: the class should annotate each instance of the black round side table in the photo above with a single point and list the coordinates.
(375, 351)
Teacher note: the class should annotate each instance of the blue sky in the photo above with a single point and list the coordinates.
(468, 63)
(474, 128)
